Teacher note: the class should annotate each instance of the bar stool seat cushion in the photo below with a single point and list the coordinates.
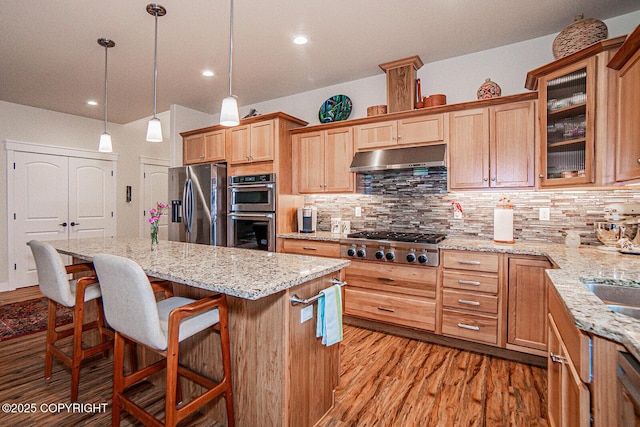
(189, 326)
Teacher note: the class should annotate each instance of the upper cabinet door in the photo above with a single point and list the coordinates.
(512, 134)
(469, 149)
(214, 149)
(262, 141)
(239, 145)
(338, 149)
(193, 149)
(628, 140)
(309, 152)
(421, 130)
(376, 135)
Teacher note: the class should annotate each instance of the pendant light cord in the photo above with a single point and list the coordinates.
(230, 48)
(155, 66)
(106, 49)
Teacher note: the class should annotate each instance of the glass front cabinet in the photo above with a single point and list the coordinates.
(567, 112)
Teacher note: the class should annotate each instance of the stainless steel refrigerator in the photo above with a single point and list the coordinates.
(198, 197)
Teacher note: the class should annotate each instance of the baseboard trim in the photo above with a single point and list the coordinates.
(5, 287)
(447, 341)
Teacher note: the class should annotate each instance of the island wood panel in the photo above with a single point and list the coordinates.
(312, 370)
(282, 374)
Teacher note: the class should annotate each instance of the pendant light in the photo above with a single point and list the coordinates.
(154, 130)
(229, 114)
(105, 139)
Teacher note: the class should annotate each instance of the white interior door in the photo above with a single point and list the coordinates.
(155, 189)
(41, 188)
(91, 198)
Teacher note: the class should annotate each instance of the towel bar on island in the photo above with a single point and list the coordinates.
(295, 299)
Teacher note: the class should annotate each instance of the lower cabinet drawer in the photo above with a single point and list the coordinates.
(311, 247)
(474, 327)
(470, 301)
(405, 310)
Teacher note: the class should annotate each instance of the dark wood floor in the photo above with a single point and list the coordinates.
(385, 381)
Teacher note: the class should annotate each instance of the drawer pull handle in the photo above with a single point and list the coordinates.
(469, 262)
(556, 358)
(309, 248)
(391, 310)
(464, 326)
(386, 279)
(467, 302)
(469, 282)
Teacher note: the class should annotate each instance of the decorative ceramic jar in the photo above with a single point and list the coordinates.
(577, 36)
(489, 89)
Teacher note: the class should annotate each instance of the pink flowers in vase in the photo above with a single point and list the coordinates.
(154, 219)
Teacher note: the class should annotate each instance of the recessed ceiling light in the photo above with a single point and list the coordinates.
(207, 73)
(300, 39)
(91, 102)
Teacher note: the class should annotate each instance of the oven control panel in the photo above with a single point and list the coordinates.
(399, 254)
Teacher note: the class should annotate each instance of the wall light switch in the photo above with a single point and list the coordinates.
(457, 214)
(545, 214)
(306, 314)
(358, 211)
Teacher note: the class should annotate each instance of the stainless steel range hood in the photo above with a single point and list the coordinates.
(428, 156)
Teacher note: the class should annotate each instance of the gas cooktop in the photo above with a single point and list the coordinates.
(432, 238)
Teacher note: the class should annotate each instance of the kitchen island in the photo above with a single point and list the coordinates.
(282, 375)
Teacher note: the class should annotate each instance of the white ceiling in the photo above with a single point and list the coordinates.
(49, 56)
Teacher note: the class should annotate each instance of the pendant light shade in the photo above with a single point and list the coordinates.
(105, 143)
(229, 113)
(105, 139)
(154, 129)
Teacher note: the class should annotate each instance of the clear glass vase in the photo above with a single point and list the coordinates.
(154, 239)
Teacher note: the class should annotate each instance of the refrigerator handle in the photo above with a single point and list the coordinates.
(185, 205)
(190, 205)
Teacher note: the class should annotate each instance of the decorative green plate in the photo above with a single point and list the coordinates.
(335, 109)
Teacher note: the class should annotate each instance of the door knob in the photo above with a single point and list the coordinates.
(64, 224)
(73, 224)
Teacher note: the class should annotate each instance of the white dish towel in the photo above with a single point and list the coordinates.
(329, 325)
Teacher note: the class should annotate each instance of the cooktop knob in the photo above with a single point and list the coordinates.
(379, 254)
(361, 253)
(351, 251)
(422, 258)
(411, 257)
(390, 256)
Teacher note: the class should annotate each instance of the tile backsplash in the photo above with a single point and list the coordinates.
(415, 201)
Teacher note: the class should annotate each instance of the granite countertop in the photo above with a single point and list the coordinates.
(243, 273)
(318, 235)
(588, 311)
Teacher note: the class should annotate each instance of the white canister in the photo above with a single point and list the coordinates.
(503, 223)
(335, 225)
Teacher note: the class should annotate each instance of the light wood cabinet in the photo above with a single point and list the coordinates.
(576, 117)
(527, 306)
(409, 131)
(322, 160)
(251, 143)
(472, 297)
(627, 63)
(396, 294)
(311, 247)
(204, 148)
(492, 147)
(568, 368)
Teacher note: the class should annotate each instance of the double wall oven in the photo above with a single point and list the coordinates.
(251, 222)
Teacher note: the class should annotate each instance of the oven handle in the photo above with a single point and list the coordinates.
(250, 215)
(240, 187)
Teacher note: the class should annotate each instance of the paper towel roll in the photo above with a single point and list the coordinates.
(503, 225)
